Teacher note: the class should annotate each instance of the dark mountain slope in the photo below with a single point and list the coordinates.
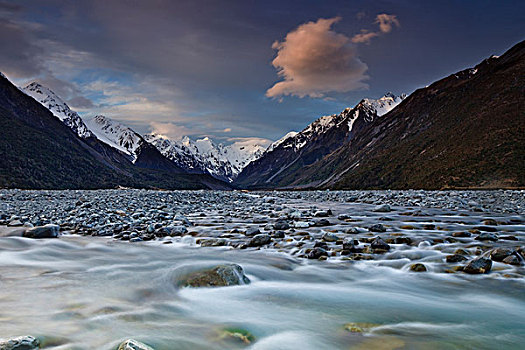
(37, 150)
(282, 163)
(466, 130)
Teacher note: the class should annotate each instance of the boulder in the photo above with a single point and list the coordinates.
(384, 208)
(418, 267)
(26, 342)
(131, 344)
(478, 266)
(46, 231)
(259, 240)
(219, 276)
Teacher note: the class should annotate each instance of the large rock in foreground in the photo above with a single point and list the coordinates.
(131, 344)
(218, 276)
(26, 342)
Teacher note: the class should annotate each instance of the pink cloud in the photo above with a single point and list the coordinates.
(386, 22)
(314, 60)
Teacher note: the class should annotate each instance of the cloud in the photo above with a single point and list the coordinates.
(248, 141)
(169, 130)
(386, 22)
(314, 60)
(364, 37)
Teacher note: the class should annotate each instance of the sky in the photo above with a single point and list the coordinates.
(239, 71)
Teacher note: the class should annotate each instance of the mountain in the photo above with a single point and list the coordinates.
(464, 131)
(203, 155)
(115, 135)
(58, 107)
(39, 150)
(198, 157)
(120, 138)
(282, 162)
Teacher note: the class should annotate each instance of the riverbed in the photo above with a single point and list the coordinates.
(92, 292)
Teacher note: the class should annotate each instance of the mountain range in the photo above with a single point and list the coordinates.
(463, 131)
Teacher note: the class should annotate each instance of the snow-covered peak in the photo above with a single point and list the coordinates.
(58, 107)
(115, 134)
(274, 145)
(385, 104)
(367, 109)
(224, 162)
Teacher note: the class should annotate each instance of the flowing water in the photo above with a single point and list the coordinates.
(91, 293)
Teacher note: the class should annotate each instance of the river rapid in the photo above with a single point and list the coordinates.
(78, 292)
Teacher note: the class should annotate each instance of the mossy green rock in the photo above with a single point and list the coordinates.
(218, 276)
(359, 327)
(237, 335)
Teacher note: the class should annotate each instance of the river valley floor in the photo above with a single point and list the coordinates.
(318, 270)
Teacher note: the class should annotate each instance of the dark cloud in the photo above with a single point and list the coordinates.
(20, 56)
(80, 102)
(205, 65)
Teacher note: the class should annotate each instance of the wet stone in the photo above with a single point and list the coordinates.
(26, 342)
(418, 267)
(478, 266)
(132, 344)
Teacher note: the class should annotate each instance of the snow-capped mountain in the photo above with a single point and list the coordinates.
(115, 134)
(203, 155)
(58, 107)
(321, 137)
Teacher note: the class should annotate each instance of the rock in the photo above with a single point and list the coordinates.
(385, 208)
(15, 223)
(252, 231)
(352, 231)
(490, 222)
(377, 228)
(478, 266)
(278, 234)
(486, 228)
(218, 276)
(351, 246)
(317, 253)
(281, 225)
(131, 344)
(461, 234)
(418, 267)
(238, 335)
(330, 237)
(213, 242)
(454, 258)
(301, 224)
(359, 327)
(177, 230)
(46, 231)
(379, 244)
(26, 342)
(343, 216)
(322, 213)
(499, 254)
(512, 260)
(260, 240)
(322, 222)
(487, 236)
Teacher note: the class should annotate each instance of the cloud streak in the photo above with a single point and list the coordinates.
(314, 60)
(386, 23)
